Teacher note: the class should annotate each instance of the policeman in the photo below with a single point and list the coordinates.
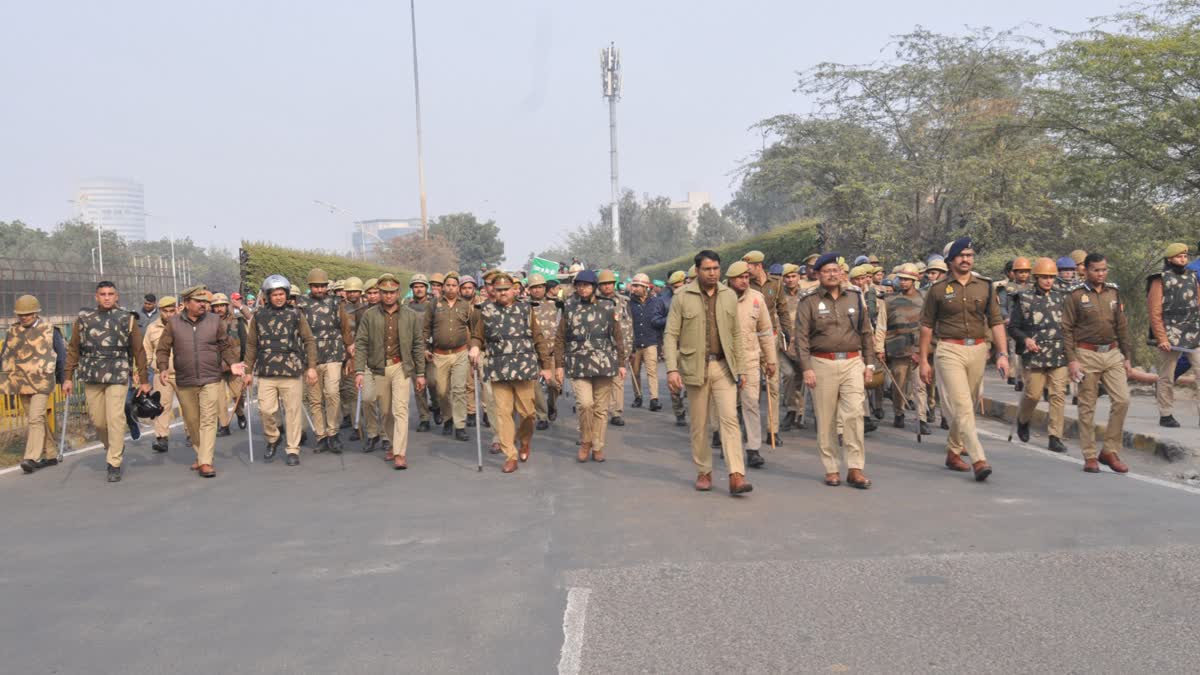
(280, 348)
(322, 314)
(862, 276)
(645, 340)
(607, 290)
(772, 292)
(352, 288)
(369, 423)
(545, 396)
(959, 311)
(590, 349)
(196, 344)
(447, 328)
(1096, 339)
(935, 271)
(436, 281)
(785, 350)
(1036, 320)
(758, 341)
(515, 346)
(389, 350)
(835, 345)
(1067, 279)
(164, 380)
(662, 308)
(1017, 282)
(104, 341)
(418, 285)
(467, 291)
(1174, 305)
(32, 361)
(231, 384)
(900, 347)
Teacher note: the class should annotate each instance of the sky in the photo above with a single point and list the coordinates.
(237, 114)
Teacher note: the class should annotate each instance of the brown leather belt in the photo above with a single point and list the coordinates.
(394, 361)
(447, 352)
(836, 356)
(1098, 348)
(966, 342)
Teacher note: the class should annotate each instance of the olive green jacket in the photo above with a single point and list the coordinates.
(369, 339)
(684, 339)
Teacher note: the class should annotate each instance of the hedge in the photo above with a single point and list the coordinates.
(267, 259)
(788, 243)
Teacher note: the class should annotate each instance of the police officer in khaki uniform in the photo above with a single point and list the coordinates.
(703, 346)
(1096, 337)
(786, 349)
(231, 392)
(1173, 299)
(164, 380)
(447, 328)
(835, 344)
(862, 277)
(369, 424)
(545, 397)
(352, 290)
(643, 341)
(960, 311)
(104, 342)
(31, 362)
(1035, 320)
(662, 309)
(773, 295)
(427, 412)
(467, 290)
(758, 341)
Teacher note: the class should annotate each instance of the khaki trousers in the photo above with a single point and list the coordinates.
(544, 399)
(773, 398)
(959, 371)
(787, 381)
(39, 442)
(472, 377)
(514, 395)
(719, 388)
(616, 407)
(199, 407)
(391, 390)
(593, 395)
(751, 408)
(166, 392)
(1164, 392)
(648, 357)
(231, 390)
(1036, 380)
(907, 385)
(106, 407)
(285, 392)
(838, 397)
(368, 421)
(450, 383)
(424, 406)
(325, 399)
(349, 395)
(1109, 368)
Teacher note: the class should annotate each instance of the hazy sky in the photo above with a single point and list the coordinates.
(237, 114)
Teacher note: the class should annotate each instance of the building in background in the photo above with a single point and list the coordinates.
(114, 205)
(690, 208)
(381, 231)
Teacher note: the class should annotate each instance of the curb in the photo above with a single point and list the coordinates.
(1168, 450)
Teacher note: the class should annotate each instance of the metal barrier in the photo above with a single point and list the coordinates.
(63, 289)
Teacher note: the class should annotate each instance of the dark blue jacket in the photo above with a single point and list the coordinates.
(658, 313)
(645, 333)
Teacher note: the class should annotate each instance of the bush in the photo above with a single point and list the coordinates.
(267, 259)
(788, 243)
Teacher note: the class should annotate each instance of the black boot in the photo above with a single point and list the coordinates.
(437, 416)
(241, 421)
(354, 435)
(335, 444)
(486, 423)
(716, 441)
(346, 422)
(471, 420)
(369, 446)
(788, 420)
(925, 429)
(681, 420)
(160, 444)
(877, 412)
(637, 401)
(423, 425)
(542, 425)
(1011, 380)
(774, 440)
(754, 460)
(303, 437)
(1023, 432)
(552, 413)
(869, 425)
(272, 448)
(293, 460)
(322, 445)
(386, 445)
(898, 422)
(447, 427)
(1019, 386)
(114, 474)
(1056, 444)
(460, 435)
(945, 423)
(223, 431)
(29, 466)
(655, 406)
(1168, 421)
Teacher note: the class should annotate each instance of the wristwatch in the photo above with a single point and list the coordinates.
(1002, 355)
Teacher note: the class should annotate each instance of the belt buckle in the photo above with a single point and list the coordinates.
(839, 356)
(1103, 349)
(969, 342)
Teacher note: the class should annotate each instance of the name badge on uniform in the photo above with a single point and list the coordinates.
(949, 289)
(850, 310)
(821, 308)
(1084, 299)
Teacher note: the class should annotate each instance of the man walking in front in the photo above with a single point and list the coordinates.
(33, 356)
(703, 345)
(324, 397)
(758, 341)
(1036, 316)
(447, 326)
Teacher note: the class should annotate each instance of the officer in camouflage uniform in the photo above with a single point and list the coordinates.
(545, 396)
(515, 347)
(280, 347)
(419, 303)
(1006, 291)
(900, 346)
(31, 362)
(352, 288)
(104, 341)
(1067, 274)
(590, 350)
(164, 381)
(607, 290)
(1036, 316)
(322, 313)
(1174, 305)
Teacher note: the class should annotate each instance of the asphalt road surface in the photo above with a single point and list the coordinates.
(342, 565)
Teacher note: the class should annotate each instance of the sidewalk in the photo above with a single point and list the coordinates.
(1141, 424)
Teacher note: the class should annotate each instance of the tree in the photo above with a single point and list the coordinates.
(714, 229)
(428, 256)
(476, 244)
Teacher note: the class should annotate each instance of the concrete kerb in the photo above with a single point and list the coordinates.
(1007, 412)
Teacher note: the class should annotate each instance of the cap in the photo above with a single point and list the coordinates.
(219, 299)
(754, 257)
(166, 301)
(418, 279)
(388, 282)
(437, 278)
(826, 259)
(606, 277)
(587, 277)
(502, 280)
(812, 258)
(873, 259)
(238, 296)
(862, 271)
(197, 292)
(294, 291)
(677, 277)
(908, 271)
(490, 275)
(536, 280)
(371, 283)
(737, 269)
(691, 273)
(776, 269)
(1078, 255)
(640, 279)
(957, 247)
(659, 283)
(790, 268)
(249, 296)
(1174, 250)
(861, 260)
(449, 276)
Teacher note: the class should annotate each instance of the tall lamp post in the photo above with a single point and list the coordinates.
(412, 6)
(171, 237)
(610, 71)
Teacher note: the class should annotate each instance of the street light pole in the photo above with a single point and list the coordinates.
(610, 70)
(412, 5)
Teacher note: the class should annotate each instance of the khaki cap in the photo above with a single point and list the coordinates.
(197, 292)
(219, 299)
(449, 276)
(437, 278)
(640, 279)
(812, 258)
(677, 277)
(691, 273)
(862, 271)
(501, 281)
(388, 282)
(737, 269)
(1175, 249)
(909, 271)
(754, 257)
(536, 280)
(371, 283)
(167, 301)
(418, 279)
(1078, 255)
(790, 268)
(490, 275)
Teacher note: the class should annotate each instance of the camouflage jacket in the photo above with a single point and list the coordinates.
(279, 343)
(103, 345)
(1038, 315)
(1006, 291)
(1179, 312)
(547, 318)
(621, 302)
(513, 341)
(588, 342)
(31, 359)
(324, 320)
(904, 324)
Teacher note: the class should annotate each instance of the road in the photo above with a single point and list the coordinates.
(344, 566)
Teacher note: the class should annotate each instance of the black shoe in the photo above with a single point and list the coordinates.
(869, 425)
(655, 406)
(29, 466)
(754, 460)
(1101, 390)
(437, 417)
(293, 460)
(878, 413)
(637, 401)
(1012, 381)
(945, 424)
(1056, 444)
(486, 423)
(1169, 421)
(272, 448)
(370, 443)
(542, 425)
(241, 421)
(346, 422)
(303, 437)
(471, 420)
(716, 441)
(387, 445)
(800, 424)
(617, 421)
(160, 444)
(1023, 432)
(423, 426)
(925, 429)
(355, 435)
(43, 463)
(322, 445)
(223, 431)
(447, 427)
(335, 444)
(898, 422)
(1074, 399)
(552, 414)
(681, 420)
(788, 420)
(114, 474)
(1019, 386)
(778, 441)
(461, 435)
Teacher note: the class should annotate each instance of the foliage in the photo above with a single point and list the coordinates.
(475, 244)
(266, 259)
(790, 243)
(435, 254)
(714, 229)
(216, 268)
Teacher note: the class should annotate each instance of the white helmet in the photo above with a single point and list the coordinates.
(275, 281)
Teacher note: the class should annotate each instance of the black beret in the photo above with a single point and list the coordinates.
(825, 259)
(958, 246)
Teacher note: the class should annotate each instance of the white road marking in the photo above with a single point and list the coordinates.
(573, 624)
(93, 446)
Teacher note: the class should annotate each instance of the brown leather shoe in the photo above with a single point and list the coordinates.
(1112, 461)
(856, 478)
(833, 479)
(195, 466)
(585, 451)
(738, 484)
(509, 466)
(207, 471)
(704, 482)
(982, 470)
(390, 456)
(597, 455)
(1091, 465)
(400, 463)
(495, 449)
(955, 463)
(523, 451)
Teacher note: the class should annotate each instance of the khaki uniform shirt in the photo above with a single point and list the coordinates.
(757, 331)
(447, 325)
(1096, 317)
(958, 312)
(826, 324)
